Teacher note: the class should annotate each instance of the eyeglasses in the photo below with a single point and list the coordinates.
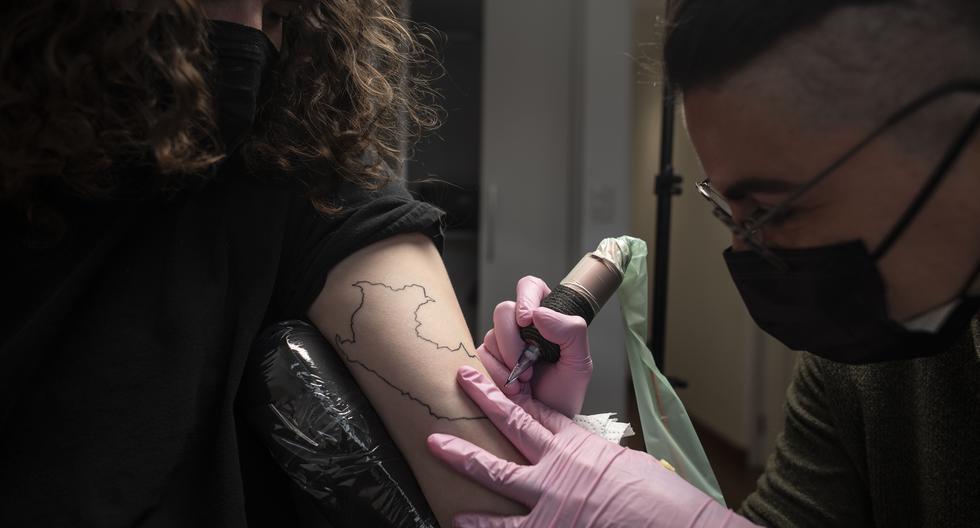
(748, 232)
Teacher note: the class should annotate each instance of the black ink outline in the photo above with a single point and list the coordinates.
(340, 342)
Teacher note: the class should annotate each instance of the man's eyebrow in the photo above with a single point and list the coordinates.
(742, 188)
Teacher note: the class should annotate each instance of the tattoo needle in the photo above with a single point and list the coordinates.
(530, 354)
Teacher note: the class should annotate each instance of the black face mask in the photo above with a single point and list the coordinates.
(831, 300)
(244, 57)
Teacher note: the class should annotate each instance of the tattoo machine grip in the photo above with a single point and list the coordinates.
(583, 291)
(562, 300)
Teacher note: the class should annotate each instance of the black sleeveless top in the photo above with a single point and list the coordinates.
(123, 348)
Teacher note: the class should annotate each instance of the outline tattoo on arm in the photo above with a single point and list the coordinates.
(341, 342)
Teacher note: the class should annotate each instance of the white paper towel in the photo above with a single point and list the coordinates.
(605, 425)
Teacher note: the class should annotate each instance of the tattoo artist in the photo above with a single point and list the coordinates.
(840, 143)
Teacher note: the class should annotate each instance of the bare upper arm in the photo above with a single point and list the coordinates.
(391, 313)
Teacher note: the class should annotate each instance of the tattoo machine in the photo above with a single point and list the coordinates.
(582, 292)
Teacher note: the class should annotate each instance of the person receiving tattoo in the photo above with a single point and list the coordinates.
(176, 176)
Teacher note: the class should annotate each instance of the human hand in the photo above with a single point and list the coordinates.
(560, 385)
(575, 478)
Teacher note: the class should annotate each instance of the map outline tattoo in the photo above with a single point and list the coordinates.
(340, 341)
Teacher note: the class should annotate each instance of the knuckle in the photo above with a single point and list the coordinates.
(502, 473)
(519, 421)
(583, 365)
(531, 280)
(578, 324)
(504, 308)
(473, 465)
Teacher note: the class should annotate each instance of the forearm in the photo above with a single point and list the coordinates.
(391, 314)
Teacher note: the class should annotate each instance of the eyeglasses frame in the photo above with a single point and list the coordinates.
(746, 231)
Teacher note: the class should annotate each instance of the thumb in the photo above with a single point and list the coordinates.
(480, 520)
(570, 332)
(530, 291)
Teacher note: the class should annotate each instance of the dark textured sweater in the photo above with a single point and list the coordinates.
(892, 444)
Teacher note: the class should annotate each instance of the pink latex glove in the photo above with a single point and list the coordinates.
(560, 385)
(575, 478)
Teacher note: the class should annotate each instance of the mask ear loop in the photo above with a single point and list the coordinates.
(929, 188)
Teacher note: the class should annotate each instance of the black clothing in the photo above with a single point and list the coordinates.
(889, 444)
(244, 61)
(123, 348)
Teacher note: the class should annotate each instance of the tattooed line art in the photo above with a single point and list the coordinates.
(341, 342)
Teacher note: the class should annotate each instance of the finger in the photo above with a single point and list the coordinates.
(498, 372)
(551, 419)
(493, 349)
(496, 474)
(509, 343)
(530, 291)
(490, 345)
(570, 332)
(490, 341)
(480, 520)
(528, 436)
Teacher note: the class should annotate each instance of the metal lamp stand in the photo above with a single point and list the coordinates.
(666, 186)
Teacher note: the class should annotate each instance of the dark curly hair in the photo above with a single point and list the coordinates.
(85, 87)
(349, 89)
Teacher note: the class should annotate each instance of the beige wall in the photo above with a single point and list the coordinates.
(737, 375)
(556, 156)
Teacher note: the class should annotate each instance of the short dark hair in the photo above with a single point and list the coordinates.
(707, 40)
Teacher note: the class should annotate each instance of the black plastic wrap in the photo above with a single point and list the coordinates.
(324, 433)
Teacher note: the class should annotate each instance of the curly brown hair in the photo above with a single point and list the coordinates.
(85, 87)
(349, 89)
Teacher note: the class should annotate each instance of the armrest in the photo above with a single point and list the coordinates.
(325, 435)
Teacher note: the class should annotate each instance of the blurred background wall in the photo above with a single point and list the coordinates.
(551, 143)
